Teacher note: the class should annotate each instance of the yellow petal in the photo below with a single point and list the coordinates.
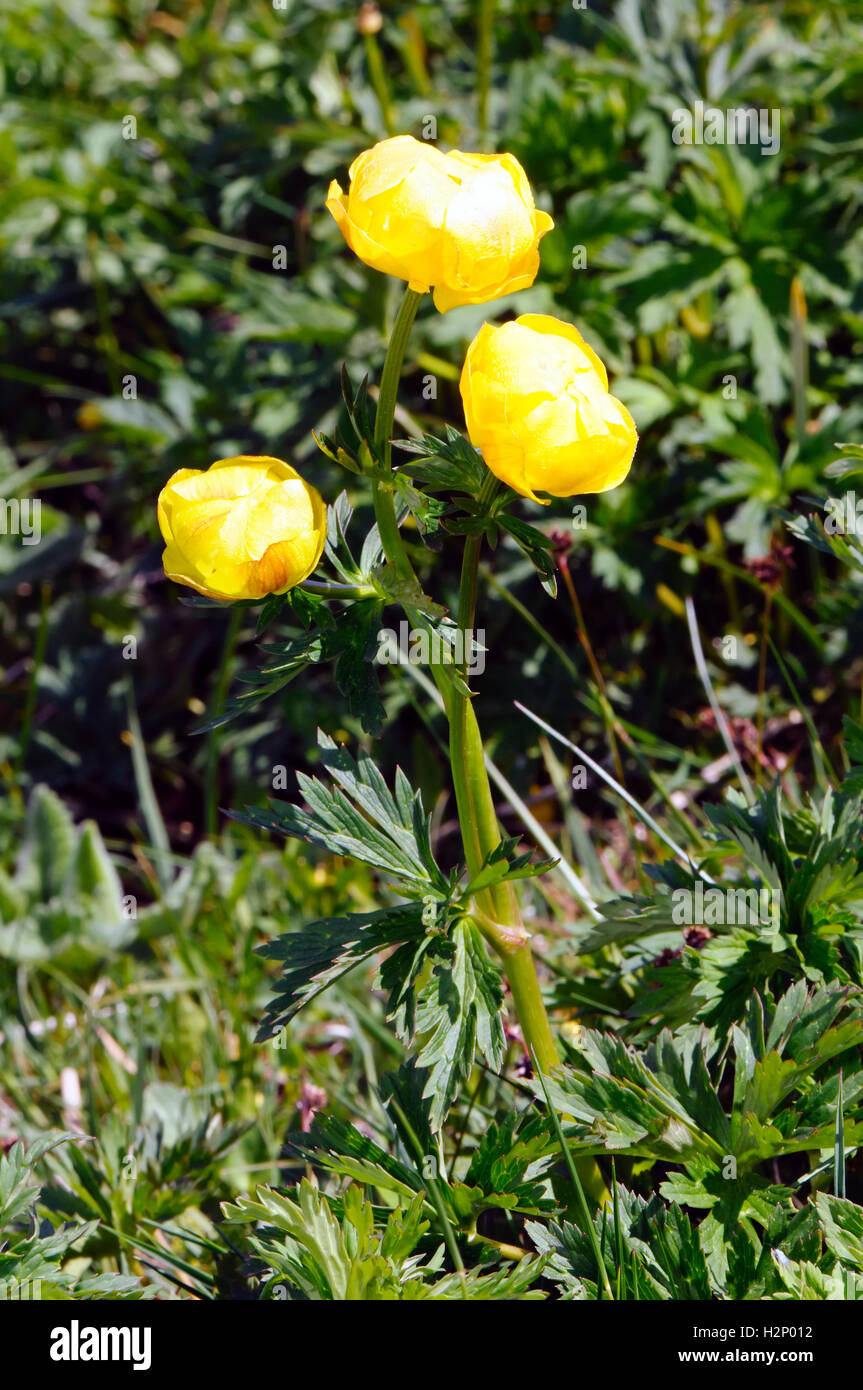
(558, 328)
(245, 527)
(462, 224)
(537, 407)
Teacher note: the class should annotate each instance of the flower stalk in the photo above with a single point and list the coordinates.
(499, 916)
(498, 912)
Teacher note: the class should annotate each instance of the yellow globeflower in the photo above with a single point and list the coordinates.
(462, 224)
(243, 528)
(538, 408)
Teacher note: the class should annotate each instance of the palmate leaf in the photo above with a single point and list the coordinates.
(504, 865)
(458, 1011)
(285, 661)
(19, 1188)
(656, 1103)
(504, 1284)
(450, 464)
(651, 1245)
(408, 593)
(38, 1261)
(758, 833)
(360, 817)
(426, 511)
(659, 1101)
(304, 1243)
(782, 1102)
(808, 858)
(333, 1251)
(804, 1281)
(830, 871)
(340, 1148)
(402, 1092)
(507, 1168)
(320, 953)
(38, 1258)
(743, 1266)
(398, 977)
(842, 1223)
(626, 920)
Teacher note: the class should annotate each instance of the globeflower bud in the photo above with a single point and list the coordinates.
(464, 225)
(243, 528)
(538, 408)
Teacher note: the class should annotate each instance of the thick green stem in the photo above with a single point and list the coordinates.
(498, 913)
(473, 795)
(529, 1007)
(499, 910)
(481, 834)
(389, 388)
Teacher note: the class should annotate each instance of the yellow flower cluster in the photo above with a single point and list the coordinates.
(535, 394)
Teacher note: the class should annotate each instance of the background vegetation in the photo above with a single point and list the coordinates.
(174, 292)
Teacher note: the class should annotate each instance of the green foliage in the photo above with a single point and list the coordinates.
(308, 1253)
(457, 1011)
(651, 1245)
(781, 1074)
(46, 1266)
(454, 1011)
(450, 465)
(64, 902)
(793, 905)
(715, 1066)
(362, 818)
(506, 1170)
(325, 950)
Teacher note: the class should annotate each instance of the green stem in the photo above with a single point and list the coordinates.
(384, 496)
(392, 371)
(470, 563)
(477, 815)
(498, 915)
(378, 79)
(485, 39)
(481, 834)
(320, 586)
(384, 500)
(529, 1005)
